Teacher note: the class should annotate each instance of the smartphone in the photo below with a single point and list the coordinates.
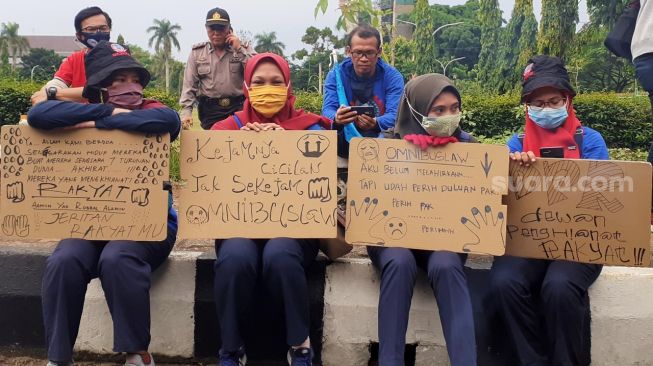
(363, 109)
(552, 152)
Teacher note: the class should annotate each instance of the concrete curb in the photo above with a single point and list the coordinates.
(344, 299)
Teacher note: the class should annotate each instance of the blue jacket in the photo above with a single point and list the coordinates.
(53, 113)
(388, 87)
(593, 148)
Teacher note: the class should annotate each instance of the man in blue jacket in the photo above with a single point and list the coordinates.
(367, 81)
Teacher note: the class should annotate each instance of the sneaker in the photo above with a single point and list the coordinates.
(300, 356)
(139, 359)
(52, 363)
(238, 358)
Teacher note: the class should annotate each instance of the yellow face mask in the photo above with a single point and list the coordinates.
(268, 99)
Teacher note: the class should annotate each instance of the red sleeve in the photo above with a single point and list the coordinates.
(226, 124)
(65, 71)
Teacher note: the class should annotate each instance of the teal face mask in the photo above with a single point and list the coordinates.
(443, 126)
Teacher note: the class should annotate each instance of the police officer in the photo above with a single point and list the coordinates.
(214, 73)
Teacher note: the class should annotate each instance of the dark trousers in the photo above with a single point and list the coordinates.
(210, 112)
(644, 73)
(124, 269)
(447, 278)
(281, 264)
(563, 299)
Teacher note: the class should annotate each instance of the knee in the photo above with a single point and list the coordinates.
(281, 253)
(400, 262)
(117, 258)
(446, 267)
(558, 290)
(65, 255)
(505, 282)
(236, 256)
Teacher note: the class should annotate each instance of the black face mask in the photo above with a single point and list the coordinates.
(92, 39)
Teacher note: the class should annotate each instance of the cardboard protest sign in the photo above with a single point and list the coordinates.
(90, 184)
(439, 199)
(258, 184)
(589, 211)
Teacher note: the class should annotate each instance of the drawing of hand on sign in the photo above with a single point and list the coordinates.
(486, 225)
(15, 192)
(364, 216)
(318, 188)
(141, 196)
(15, 225)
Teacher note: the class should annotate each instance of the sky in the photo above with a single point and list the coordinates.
(131, 18)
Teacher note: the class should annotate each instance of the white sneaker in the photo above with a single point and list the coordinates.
(137, 359)
(51, 363)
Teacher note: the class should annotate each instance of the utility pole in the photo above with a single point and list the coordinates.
(319, 78)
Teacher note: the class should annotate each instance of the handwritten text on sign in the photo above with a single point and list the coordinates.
(439, 199)
(258, 184)
(580, 210)
(83, 184)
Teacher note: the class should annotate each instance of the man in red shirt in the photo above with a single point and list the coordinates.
(92, 25)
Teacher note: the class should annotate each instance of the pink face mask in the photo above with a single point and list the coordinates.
(127, 95)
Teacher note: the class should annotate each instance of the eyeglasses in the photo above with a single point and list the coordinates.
(96, 28)
(367, 54)
(217, 28)
(555, 103)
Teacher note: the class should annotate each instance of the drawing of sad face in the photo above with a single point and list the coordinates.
(395, 228)
(368, 149)
(197, 215)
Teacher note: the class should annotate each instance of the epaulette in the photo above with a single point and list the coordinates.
(199, 45)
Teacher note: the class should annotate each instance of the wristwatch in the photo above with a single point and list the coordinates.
(51, 92)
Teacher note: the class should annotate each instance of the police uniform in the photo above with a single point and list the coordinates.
(214, 82)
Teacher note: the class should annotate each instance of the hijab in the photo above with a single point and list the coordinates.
(288, 117)
(420, 92)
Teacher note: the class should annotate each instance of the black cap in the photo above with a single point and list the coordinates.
(102, 61)
(544, 71)
(217, 16)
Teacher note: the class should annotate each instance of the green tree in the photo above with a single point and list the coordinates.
(12, 42)
(120, 39)
(353, 12)
(423, 36)
(489, 16)
(519, 44)
(405, 56)
(164, 37)
(461, 40)
(43, 62)
(557, 27)
(268, 42)
(593, 68)
(305, 70)
(605, 12)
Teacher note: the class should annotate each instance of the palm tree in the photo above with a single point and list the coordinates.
(164, 37)
(11, 41)
(267, 42)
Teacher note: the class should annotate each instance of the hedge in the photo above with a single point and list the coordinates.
(624, 121)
